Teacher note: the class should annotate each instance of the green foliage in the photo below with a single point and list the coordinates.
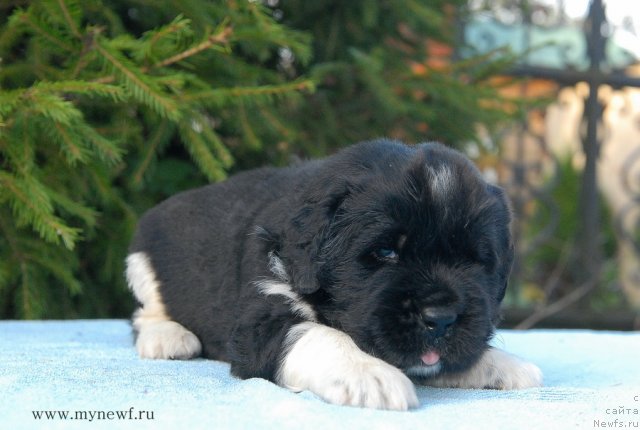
(85, 109)
(107, 107)
(380, 73)
(555, 258)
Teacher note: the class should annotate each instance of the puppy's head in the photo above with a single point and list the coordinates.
(406, 249)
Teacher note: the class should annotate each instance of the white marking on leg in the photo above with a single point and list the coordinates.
(158, 336)
(298, 306)
(328, 363)
(276, 266)
(496, 369)
(144, 285)
(282, 287)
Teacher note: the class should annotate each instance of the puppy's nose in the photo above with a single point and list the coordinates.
(438, 320)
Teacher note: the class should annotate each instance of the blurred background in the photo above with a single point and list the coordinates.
(108, 107)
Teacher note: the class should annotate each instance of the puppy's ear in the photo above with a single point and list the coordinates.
(307, 232)
(505, 270)
(506, 251)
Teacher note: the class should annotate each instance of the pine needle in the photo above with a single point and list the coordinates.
(140, 87)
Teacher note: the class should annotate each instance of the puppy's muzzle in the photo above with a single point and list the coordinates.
(438, 320)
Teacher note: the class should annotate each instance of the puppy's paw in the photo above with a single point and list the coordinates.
(166, 340)
(328, 363)
(496, 369)
(515, 374)
(370, 384)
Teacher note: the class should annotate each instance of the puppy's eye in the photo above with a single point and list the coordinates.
(385, 254)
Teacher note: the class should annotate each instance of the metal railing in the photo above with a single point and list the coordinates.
(526, 22)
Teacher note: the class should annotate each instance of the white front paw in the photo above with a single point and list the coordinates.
(517, 374)
(328, 363)
(371, 383)
(495, 369)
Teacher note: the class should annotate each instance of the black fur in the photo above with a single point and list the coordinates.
(333, 223)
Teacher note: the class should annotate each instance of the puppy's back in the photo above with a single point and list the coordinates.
(195, 243)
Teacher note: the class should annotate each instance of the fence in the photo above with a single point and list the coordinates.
(583, 52)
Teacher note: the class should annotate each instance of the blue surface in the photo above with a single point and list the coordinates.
(91, 367)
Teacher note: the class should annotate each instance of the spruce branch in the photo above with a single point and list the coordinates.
(25, 285)
(15, 148)
(52, 106)
(59, 271)
(107, 150)
(159, 137)
(215, 39)
(140, 86)
(191, 133)
(215, 143)
(219, 38)
(277, 124)
(8, 101)
(8, 243)
(9, 237)
(28, 264)
(5, 274)
(71, 146)
(74, 207)
(163, 40)
(31, 205)
(178, 24)
(69, 19)
(247, 130)
(253, 95)
(116, 93)
(39, 28)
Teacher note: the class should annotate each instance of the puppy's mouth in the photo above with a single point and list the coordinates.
(430, 364)
(430, 358)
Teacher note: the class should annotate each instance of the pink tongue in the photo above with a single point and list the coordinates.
(430, 358)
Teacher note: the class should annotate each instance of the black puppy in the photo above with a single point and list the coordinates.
(340, 276)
